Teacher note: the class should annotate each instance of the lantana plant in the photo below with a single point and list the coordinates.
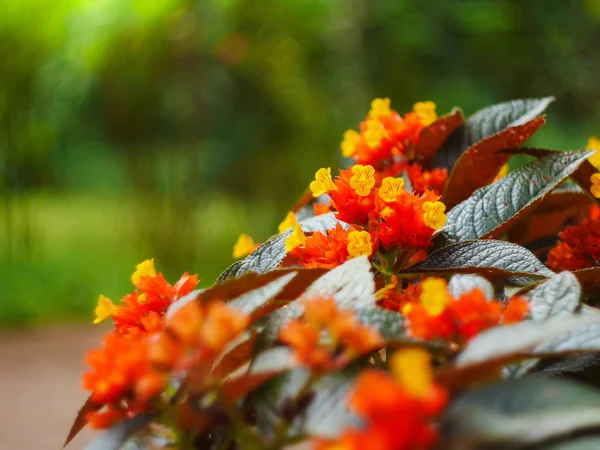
(424, 296)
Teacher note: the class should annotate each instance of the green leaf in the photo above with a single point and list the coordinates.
(117, 436)
(577, 443)
(273, 359)
(492, 209)
(270, 254)
(519, 412)
(480, 163)
(463, 284)
(557, 296)
(486, 122)
(484, 256)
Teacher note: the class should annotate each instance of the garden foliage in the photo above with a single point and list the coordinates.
(424, 297)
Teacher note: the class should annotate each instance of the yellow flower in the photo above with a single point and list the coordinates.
(594, 144)
(322, 183)
(391, 188)
(244, 246)
(426, 111)
(359, 243)
(595, 189)
(348, 146)
(374, 133)
(289, 221)
(434, 296)
(104, 309)
(502, 172)
(296, 239)
(434, 216)
(362, 179)
(380, 107)
(144, 269)
(412, 368)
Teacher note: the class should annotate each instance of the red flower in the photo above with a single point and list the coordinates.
(579, 247)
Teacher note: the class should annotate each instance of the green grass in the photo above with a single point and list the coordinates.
(62, 252)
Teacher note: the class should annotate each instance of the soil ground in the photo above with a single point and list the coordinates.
(40, 387)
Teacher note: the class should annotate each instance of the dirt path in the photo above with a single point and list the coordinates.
(40, 389)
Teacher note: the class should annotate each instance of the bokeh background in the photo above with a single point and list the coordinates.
(132, 129)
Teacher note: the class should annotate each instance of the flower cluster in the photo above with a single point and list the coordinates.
(398, 409)
(142, 310)
(381, 213)
(122, 378)
(387, 141)
(433, 312)
(325, 338)
(578, 248)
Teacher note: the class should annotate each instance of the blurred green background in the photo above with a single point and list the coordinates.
(132, 129)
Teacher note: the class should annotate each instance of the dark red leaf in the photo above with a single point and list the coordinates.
(480, 163)
(432, 137)
(81, 420)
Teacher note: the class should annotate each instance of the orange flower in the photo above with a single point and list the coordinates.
(347, 338)
(439, 315)
(323, 250)
(142, 310)
(398, 413)
(385, 134)
(121, 378)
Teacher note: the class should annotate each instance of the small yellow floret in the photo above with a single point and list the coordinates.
(434, 296)
(594, 144)
(104, 309)
(359, 243)
(380, 107)
(434, 216)
(595, 189)
(412, 368)
(296, 239)
(243, 246)
(349, 143)
(391, 188)
(289, 221)
(143, 269)
(322, 183)
(374, 133)
(362, 179)
(426, 111)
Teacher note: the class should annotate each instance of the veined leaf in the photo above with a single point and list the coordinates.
(257, 298)
(351, 285)
(492, 209)
(270, 254)
(463, 284)
(432, 137)
(389, 324)
(519, 412)
(557, 296)
(256, 287)
(557, 209)
(487, 122)
(480, 163)
(484, 256)
(115, 437)
(526, 338)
